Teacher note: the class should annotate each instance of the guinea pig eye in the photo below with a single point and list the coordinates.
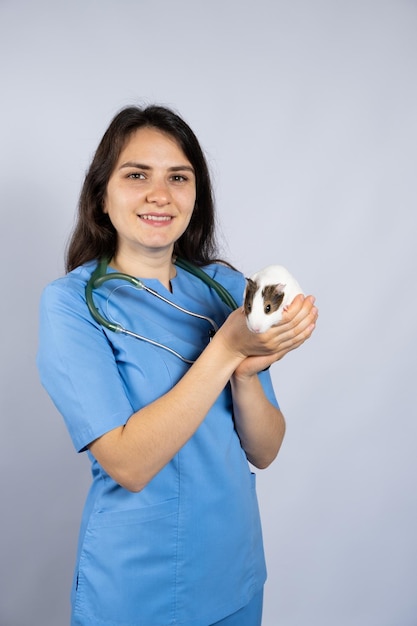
(267, 308)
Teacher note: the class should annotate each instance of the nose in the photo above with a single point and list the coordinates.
(158, 193)
(254, 328)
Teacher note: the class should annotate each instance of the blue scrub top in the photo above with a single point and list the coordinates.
(187, 549)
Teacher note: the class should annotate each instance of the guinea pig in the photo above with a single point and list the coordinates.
(267, 295)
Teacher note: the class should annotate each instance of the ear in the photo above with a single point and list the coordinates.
(280, 288)
(250, 288)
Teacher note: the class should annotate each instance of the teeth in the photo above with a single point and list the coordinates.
(157, 218)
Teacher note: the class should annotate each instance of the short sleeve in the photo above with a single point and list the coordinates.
(77, 366)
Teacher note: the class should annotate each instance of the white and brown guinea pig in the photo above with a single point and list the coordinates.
(267, 294)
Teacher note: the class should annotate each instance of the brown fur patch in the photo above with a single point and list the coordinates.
(272, 298)
(251, 288)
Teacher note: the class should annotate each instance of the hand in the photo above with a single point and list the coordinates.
(297, 324)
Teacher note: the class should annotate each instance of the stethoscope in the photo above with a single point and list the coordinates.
(100, 276)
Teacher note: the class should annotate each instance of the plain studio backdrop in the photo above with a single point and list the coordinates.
(307, 111)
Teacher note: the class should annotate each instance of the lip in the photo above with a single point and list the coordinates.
(156, 219)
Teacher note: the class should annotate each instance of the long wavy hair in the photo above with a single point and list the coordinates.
(94, 236)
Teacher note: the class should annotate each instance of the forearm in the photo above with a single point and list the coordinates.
(135, 453)
(260, 425)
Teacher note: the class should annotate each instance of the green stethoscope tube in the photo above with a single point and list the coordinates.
(218, 288)
(100, 276)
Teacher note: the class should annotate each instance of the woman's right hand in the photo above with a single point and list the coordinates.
(262, 349)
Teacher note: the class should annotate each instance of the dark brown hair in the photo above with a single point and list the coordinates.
(94, 236)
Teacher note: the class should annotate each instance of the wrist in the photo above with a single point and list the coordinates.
(222, 355)
(224, 342)
(245, 377)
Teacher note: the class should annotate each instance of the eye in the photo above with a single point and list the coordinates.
(267, 308)
(179, 178)
(136, 176)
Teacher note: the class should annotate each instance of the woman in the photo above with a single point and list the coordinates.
(170, 532)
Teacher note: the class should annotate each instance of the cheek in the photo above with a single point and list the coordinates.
(189, 203)
(115, 204)
(188, 209)
(189, 206)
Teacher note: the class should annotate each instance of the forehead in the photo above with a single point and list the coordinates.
(152, 144)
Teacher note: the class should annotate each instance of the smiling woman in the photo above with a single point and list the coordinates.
(94, 235)
(170, 531)
(150, 198)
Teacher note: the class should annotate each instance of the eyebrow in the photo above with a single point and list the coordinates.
(143, 166)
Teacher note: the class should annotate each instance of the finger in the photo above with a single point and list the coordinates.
(295, 332)
(294, 307)
(299, 308)
(299, 303)
(294, 338)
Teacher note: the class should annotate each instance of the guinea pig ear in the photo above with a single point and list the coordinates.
(250, 288)
(249, 292)
(250, 283)
(280, 288)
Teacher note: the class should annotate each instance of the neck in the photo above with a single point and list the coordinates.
(152, 266)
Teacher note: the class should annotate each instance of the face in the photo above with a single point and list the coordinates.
(151, 194)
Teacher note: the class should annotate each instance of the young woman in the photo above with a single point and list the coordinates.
(170, 533)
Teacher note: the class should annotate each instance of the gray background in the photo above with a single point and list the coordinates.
(307, 113)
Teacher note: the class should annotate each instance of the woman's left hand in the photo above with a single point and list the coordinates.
(296, 326)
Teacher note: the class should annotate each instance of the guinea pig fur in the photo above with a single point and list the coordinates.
(267, 295)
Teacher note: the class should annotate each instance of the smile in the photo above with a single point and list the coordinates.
(156, 218)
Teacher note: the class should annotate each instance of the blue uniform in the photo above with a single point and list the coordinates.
(187, 549)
